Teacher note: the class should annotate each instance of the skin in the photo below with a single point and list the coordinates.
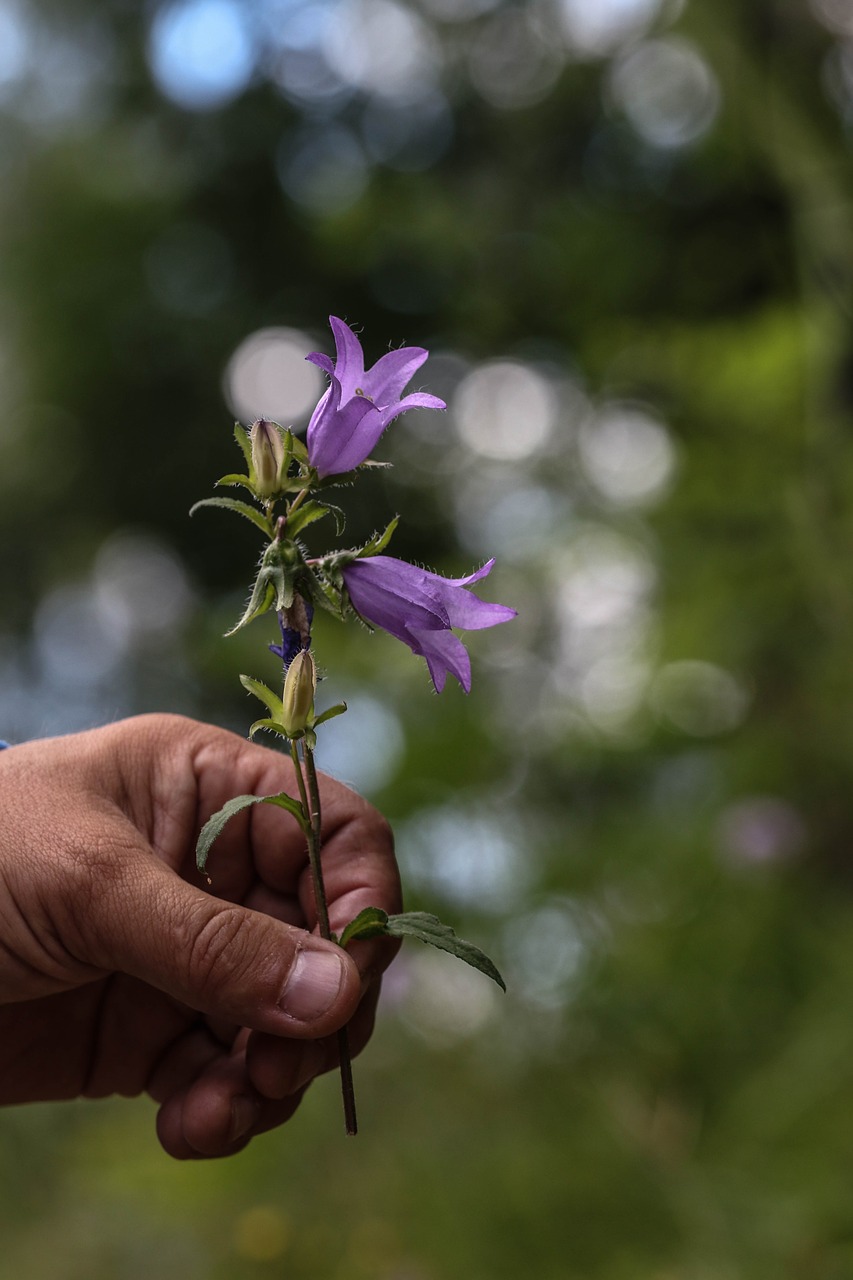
(122, 972)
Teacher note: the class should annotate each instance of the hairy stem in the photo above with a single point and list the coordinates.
(310, 798)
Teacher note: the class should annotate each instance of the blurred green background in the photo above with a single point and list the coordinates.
(624, 229)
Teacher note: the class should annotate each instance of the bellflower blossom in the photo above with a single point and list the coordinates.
(419, 608)
(358, 405)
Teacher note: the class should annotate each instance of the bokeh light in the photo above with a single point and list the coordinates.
(141, 589)
(699, 698)
(512, 63)
(382, 48)
(323, 168)
(445, 1003)
(594, 30)
(761, 829)
(667, 90)
(627, 454)
(366, 752)
(505, 410)
(465, 856)
(15, 46)
(269, 377)
(201, 52)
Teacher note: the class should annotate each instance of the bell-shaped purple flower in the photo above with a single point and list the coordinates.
(358, 405)
(419, 608)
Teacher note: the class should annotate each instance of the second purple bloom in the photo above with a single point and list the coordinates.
(420, 608)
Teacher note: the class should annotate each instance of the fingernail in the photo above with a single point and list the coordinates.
(243, 1115)
(314, 984)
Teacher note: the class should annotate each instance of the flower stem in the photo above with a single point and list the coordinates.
(310, 798)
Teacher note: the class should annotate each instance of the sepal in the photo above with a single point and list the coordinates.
(265, 695)
(241, 435)
(337, 710)
(273, 725)
(233, 478)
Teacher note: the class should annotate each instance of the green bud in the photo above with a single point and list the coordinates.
(267, 455)
(298, 699)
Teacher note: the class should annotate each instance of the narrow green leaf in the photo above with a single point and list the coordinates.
(305, 515)
(241, 435)
(242, 508)
(428, 928)
(291, 804)
(265, 694)
(379, 541)
(216, 822)
(369, 923)
(340, 517)
(337, 710)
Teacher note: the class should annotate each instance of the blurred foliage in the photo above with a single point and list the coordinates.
(644, 807)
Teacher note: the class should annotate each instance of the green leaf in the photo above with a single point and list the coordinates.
(271, 700)
(241, 435)
(373, 922)
(242, 508)
(379, 541)
(216, 822)
(305, 515)
(370, 923)
(312, 511)
(337, 710)
(340, 517)
(428, 928)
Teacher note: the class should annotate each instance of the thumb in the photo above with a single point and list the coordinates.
(222, 959)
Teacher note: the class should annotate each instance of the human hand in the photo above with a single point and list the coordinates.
(120, 974)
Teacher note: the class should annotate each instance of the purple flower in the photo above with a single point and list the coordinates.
(358, 405)
(419, 608)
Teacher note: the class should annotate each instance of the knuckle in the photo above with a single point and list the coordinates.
(219, 946)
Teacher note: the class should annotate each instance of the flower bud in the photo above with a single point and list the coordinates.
(298, 699)
(267, 455)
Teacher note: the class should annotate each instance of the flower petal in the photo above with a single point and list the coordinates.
(339, 438)
(473, 577)
(349, 366)
(322, 361)
(391, 602)
(394, 371)
(443, 652)
(470, 613)
(417, 400)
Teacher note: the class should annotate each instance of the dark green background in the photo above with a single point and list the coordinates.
(644, 808)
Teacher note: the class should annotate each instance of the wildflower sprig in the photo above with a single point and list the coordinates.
(287, 480)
